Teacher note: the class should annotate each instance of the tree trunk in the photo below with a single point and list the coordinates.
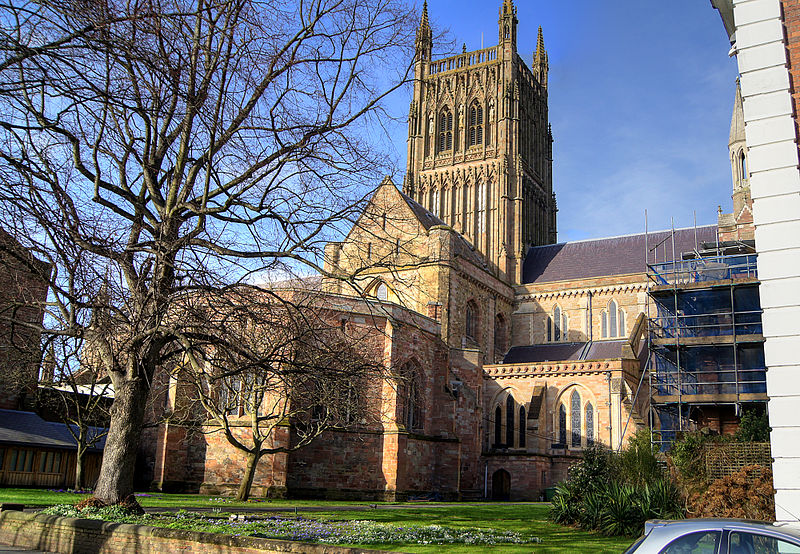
(122, 442)
(79, 461)
(249, 473)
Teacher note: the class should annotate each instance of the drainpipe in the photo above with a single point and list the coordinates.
(610, 413)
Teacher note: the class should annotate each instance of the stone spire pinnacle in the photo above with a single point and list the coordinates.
(737, 119)
(541, 62)
(424, 34)
(507, 8)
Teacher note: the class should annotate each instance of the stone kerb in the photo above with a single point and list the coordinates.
(67, 535)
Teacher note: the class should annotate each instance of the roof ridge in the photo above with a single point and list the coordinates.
(709, 226)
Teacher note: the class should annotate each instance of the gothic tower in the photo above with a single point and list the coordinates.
(739, 224)
(480, 147)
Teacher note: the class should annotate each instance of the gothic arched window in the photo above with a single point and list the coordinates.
(510, 421)
(557, 324)
(589, 424)
(743, 164)
(558, 329)
(498, 427)
(522, 426)
(499, 338)
(412, 397)
(575, 418)
(382, 292)
(475, 124)
(613, 321)
(562, 424)
(445, 130)
(471, 317)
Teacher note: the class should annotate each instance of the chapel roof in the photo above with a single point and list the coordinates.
(568, 352)
(621, 255)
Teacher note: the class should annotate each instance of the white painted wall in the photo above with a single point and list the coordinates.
(775, 187)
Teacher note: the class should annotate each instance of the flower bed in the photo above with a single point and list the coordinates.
(306, 529)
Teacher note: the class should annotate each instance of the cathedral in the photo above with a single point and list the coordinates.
(523, 351)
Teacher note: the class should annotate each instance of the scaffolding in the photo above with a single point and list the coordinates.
(705, 339)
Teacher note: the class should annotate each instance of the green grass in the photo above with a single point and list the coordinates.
(42, 497)
(528, 519)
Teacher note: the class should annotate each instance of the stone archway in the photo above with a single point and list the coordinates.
(501, 485)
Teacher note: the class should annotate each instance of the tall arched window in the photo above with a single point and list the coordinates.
(523, 425)
(475, 133)
(472, 320)
(589, 423)
(510, 421)
(558, 328)
(445, 130)
(412, 397)
(613, 321)
(557, 323)
(575, 417)
(743, 164)
(498, 427)
(482, 208)
(499, 338)
(436, 202)
(562, 424)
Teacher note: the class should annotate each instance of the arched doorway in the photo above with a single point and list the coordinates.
(501, 485)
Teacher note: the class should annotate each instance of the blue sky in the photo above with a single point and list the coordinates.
(641, 95)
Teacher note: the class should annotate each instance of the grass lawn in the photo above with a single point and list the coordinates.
(527, 519)
(43, 497)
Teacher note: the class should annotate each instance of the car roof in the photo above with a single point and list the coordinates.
(727, 523)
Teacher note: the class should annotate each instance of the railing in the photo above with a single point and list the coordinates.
(702, 270)
(724, 380)
(706, 325)
(464, 60)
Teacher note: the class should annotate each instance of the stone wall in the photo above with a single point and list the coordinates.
(66, 535)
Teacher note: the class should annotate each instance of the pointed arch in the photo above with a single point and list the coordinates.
(410, 390)
(510, 416)
(523, 425)
(589, 417)
(472, 323)
(562, 424)
(498, 427)
(475, 132)
(500, 341)
(575, 418)
(445, 129)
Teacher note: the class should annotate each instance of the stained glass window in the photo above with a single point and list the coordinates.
(575, 419)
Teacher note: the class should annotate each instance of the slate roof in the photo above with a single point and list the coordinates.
(569, 352)
(609, 256)
(28, 429)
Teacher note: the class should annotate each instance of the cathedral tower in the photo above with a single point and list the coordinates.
(480, 147)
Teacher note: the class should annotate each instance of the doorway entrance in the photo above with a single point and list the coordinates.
(501, 485)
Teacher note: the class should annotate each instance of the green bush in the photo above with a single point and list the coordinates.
(753, 427)
(615, 493)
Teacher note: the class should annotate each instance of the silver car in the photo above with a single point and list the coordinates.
(716, 536)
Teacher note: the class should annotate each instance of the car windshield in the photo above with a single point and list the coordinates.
(635, 545)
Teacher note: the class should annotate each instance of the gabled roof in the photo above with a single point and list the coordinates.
(28, 429)
(609, 256)
(569, 352)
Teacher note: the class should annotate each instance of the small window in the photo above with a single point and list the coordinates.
(621, 319)
(743, 164)
(412, 398)
(759, 544)
(702, 542)
(522, 426)
(612, 319)
(382, 292)
(557, 321)
(549, 329)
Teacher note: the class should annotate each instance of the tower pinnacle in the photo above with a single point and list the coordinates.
(541, 63)
(424, 41)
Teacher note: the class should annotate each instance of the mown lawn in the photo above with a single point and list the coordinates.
(42, 497)
(527, 519)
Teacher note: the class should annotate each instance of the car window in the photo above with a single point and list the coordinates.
(702, 542)
(749, 543)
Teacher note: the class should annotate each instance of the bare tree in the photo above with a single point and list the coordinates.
(172, 147)
(285, 371)
(78, 395)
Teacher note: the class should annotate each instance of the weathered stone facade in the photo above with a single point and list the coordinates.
(23, 280)
(438, 274)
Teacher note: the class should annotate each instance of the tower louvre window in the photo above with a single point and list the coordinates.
(445, 130)
(475, 124)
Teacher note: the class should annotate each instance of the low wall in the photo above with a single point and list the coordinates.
(90, 536)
